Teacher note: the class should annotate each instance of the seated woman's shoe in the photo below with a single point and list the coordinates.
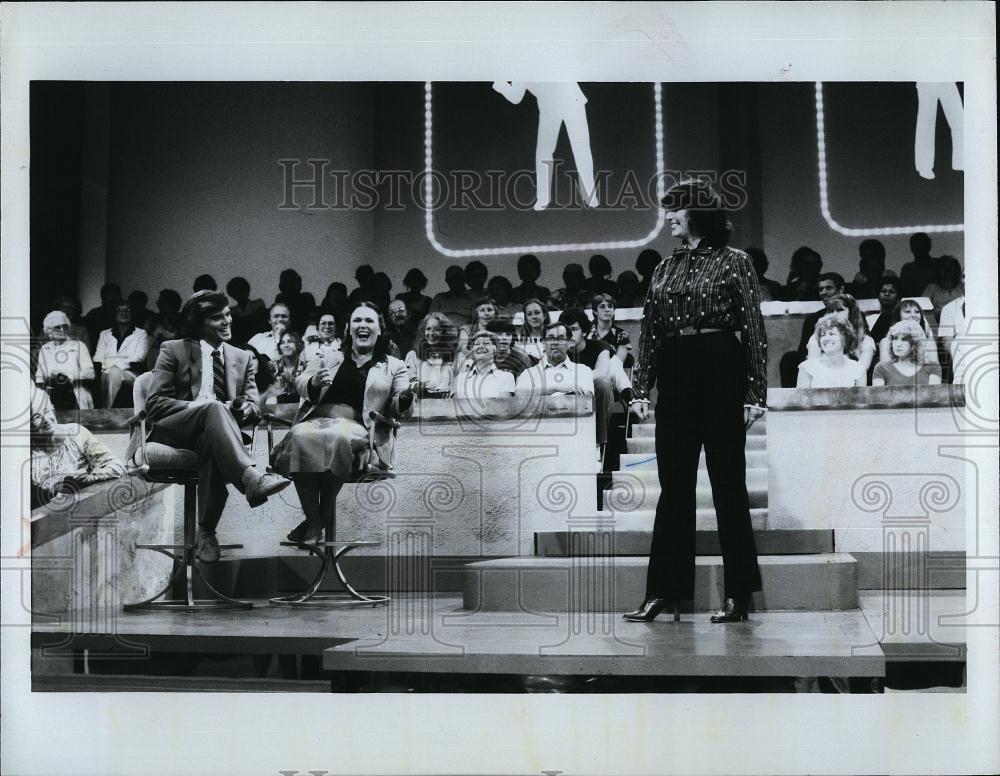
(305, 533)
(651, 607)
(732, 611)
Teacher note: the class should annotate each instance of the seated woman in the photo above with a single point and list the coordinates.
(64, 456)
(862, 348)
(63, 365)
(484, 310)
(603, 307)
(480, 377)
(909, 310)
(431, 364)
(285, 369)
(531, 338)
(339, 390)
(833, 368)
(325, 338)
(907, 343)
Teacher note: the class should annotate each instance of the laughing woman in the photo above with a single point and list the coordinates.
(340, 389)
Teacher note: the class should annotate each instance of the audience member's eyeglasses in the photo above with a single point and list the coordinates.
(555, 338)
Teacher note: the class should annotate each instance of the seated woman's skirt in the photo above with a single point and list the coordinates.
(327, 441)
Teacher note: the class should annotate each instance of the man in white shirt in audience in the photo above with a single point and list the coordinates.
(266, 343)
(121, 351)
(951, 329)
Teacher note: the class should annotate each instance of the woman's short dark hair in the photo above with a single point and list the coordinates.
(199, 307)
(706, 216)
(598, 298)
(481, 301)
(415, 279)
(847, 334)
(575, 315)
(381, 349)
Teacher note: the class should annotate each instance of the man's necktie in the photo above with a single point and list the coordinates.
(218, 376)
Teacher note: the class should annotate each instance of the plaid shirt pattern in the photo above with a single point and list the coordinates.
(708, 288)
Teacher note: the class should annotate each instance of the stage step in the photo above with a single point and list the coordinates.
(649, 430)
(822, 582)
(626, 542)
(631, 493)
(648, 476)
(647, 444)
(705, 520)
(756, 459)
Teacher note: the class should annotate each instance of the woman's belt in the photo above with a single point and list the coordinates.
(689, 330)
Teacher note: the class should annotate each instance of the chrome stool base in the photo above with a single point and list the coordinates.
(330, 553)
(184, 561)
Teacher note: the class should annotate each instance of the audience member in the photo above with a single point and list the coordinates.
(137, 301)
(284, 369)
(160, 328)
(480, 377)
(483, 311)
(64, 456)
(266, 343)
(832, 368)
(952, 328)
(401, 326)
(600, 281)
(71, 306)
(204, 283)
(300, 304)
(770, 290)
(803, 277)
(326, 339)
(500, 290)
(456, 302)
(121, 352)
(418, 304)
(168, 304)
(871, 270)
(604, 329)
(509, 356)
(630, 293)
(947, 285)
(830, 284)
(907, 345)
(431, 363)
(475, 277)
(529, 269)
(249, 315)
(647, 261)
(909, 310)
(364, 276)
(888, 298)
(202, 390)
(103, 317)
(916, 275)
(64, 365)
(335, 303)
(574, 292)
(532, 336)
(861, 347)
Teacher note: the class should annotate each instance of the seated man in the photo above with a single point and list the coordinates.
(830, 284)
(64, 456)
(121, 352)
(509, 356)
(201, 387)
(401, 326)
(596, 354)
(266, 343)
(557, 374)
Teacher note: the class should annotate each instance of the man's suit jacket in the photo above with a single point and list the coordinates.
(177, 377)
(386, 381)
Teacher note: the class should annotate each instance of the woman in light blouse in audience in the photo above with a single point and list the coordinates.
(484, 310)
(862, 346)
(431, 364)
(63, 365)
(907, 343)
(833, 368)
(479, 377)
(285, 369)
(532, 335)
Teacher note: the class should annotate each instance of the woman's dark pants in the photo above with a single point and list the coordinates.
(701, 381)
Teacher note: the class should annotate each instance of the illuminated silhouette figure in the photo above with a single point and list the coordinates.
(928, 97)
(558, 104)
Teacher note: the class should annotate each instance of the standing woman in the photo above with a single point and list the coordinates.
(712, 387)
(339, 389)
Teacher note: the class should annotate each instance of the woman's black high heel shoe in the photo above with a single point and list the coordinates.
(732, 611)
(651, 607)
